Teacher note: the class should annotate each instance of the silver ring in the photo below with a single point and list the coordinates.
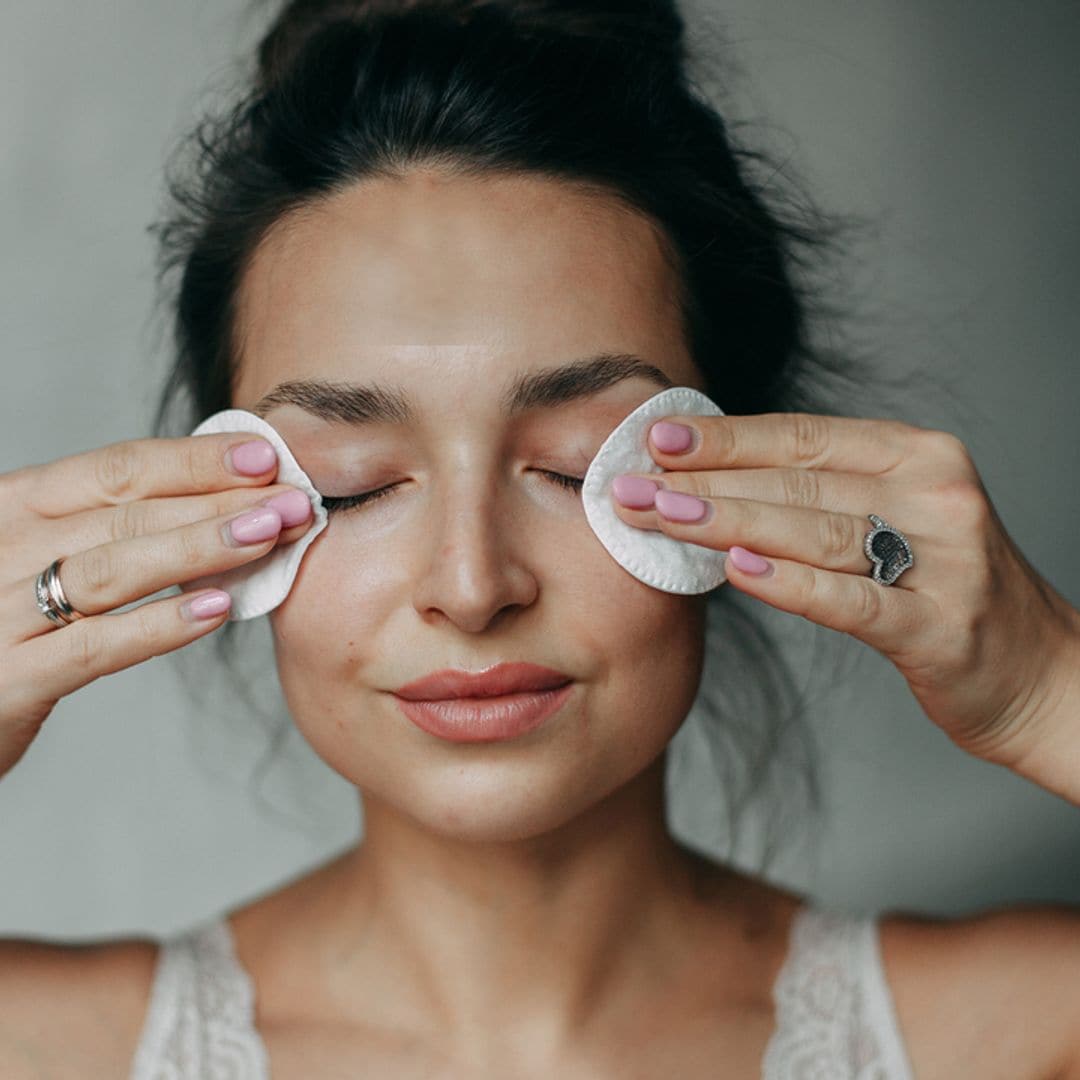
(888, 549)
(51, 601)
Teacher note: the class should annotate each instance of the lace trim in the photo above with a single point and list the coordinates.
(835, 1018)
(200, 1019)
(880, 1009)
(834, 1015)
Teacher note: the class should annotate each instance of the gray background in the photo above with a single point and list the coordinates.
(956, 137)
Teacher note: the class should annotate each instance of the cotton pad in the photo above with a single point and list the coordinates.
(260, 586)
(659, 560)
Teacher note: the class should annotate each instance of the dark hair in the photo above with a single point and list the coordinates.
(595, 93)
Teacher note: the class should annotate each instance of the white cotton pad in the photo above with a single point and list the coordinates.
(260, 586)
(659, 560)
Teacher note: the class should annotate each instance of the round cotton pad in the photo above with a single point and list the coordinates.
(260, 586)
(659, 560)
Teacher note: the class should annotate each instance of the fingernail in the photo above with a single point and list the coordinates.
(671, 438)
(206, 606)
(677, 506)
(635, 492)
(293, 506)
(251, 458)
(749, 563)
(253, 527)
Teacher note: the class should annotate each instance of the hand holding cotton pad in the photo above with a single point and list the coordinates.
(260, 586)
(659, 560)
(654, 558)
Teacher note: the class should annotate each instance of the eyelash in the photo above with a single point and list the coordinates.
(351, 502)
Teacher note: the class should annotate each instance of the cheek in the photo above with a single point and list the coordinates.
(350, 615)
(653, 644)
(341, 597)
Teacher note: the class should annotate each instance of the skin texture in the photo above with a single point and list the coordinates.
(477, 859)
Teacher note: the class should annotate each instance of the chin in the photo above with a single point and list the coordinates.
(492, 803)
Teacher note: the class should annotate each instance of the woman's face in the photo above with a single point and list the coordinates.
(451, 293)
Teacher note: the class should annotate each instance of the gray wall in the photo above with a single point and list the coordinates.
(955, 137)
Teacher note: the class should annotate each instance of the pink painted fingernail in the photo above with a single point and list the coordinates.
(634, 492)
(749, 563)
(206, 606)
(293, 506)
(255, 526)
(678, 506)
(251, 458)
(671, 438)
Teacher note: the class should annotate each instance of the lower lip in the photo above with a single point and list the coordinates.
(485, 719)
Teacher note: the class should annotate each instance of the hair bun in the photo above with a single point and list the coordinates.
(646, 28)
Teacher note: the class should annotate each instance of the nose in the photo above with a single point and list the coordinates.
(475, 569)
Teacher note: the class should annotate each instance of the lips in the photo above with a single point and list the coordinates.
(507, 678)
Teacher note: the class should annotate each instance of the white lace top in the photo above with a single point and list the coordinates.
(834, 1013)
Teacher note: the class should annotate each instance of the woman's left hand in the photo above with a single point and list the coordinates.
(989, 649)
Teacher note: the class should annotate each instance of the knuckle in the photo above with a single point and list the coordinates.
(191, 548)
(965, 504)
(837, 541)
(118, 469)
(193, 464)
(691, 483)
(946, 447)
(807, 593)
(868, 606)
(147, 629)
(97, 568)
(741, 518)
(128, 519)
(900, 429)
(722, 442)
(810, 434)
(87, 647)
(801, 487)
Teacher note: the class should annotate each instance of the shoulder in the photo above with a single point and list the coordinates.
(995, 994)
(72, 1010)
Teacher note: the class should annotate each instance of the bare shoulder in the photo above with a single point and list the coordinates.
(990, 995)
(72, 1010)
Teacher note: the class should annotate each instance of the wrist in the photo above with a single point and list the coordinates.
(1050, 755)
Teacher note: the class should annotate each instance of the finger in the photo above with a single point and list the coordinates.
(48, 540)
(886, 618)
(844, 492)
(142, 468)
(59, 663)
(807, 440)
(107, 577)
(820, 538)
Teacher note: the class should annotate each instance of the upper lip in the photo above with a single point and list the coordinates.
(501, 679)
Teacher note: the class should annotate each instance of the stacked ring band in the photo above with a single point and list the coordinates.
(51, 600)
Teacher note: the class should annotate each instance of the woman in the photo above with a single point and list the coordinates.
(425, 210)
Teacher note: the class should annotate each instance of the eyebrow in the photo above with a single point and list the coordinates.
(355, 403)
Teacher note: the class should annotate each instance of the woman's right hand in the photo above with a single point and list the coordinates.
(128, 519)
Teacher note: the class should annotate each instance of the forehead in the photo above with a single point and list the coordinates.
(398, 277)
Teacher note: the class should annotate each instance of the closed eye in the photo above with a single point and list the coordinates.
(332, 504)
(571, 483)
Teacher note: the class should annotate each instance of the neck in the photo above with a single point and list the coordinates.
(533, 936)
